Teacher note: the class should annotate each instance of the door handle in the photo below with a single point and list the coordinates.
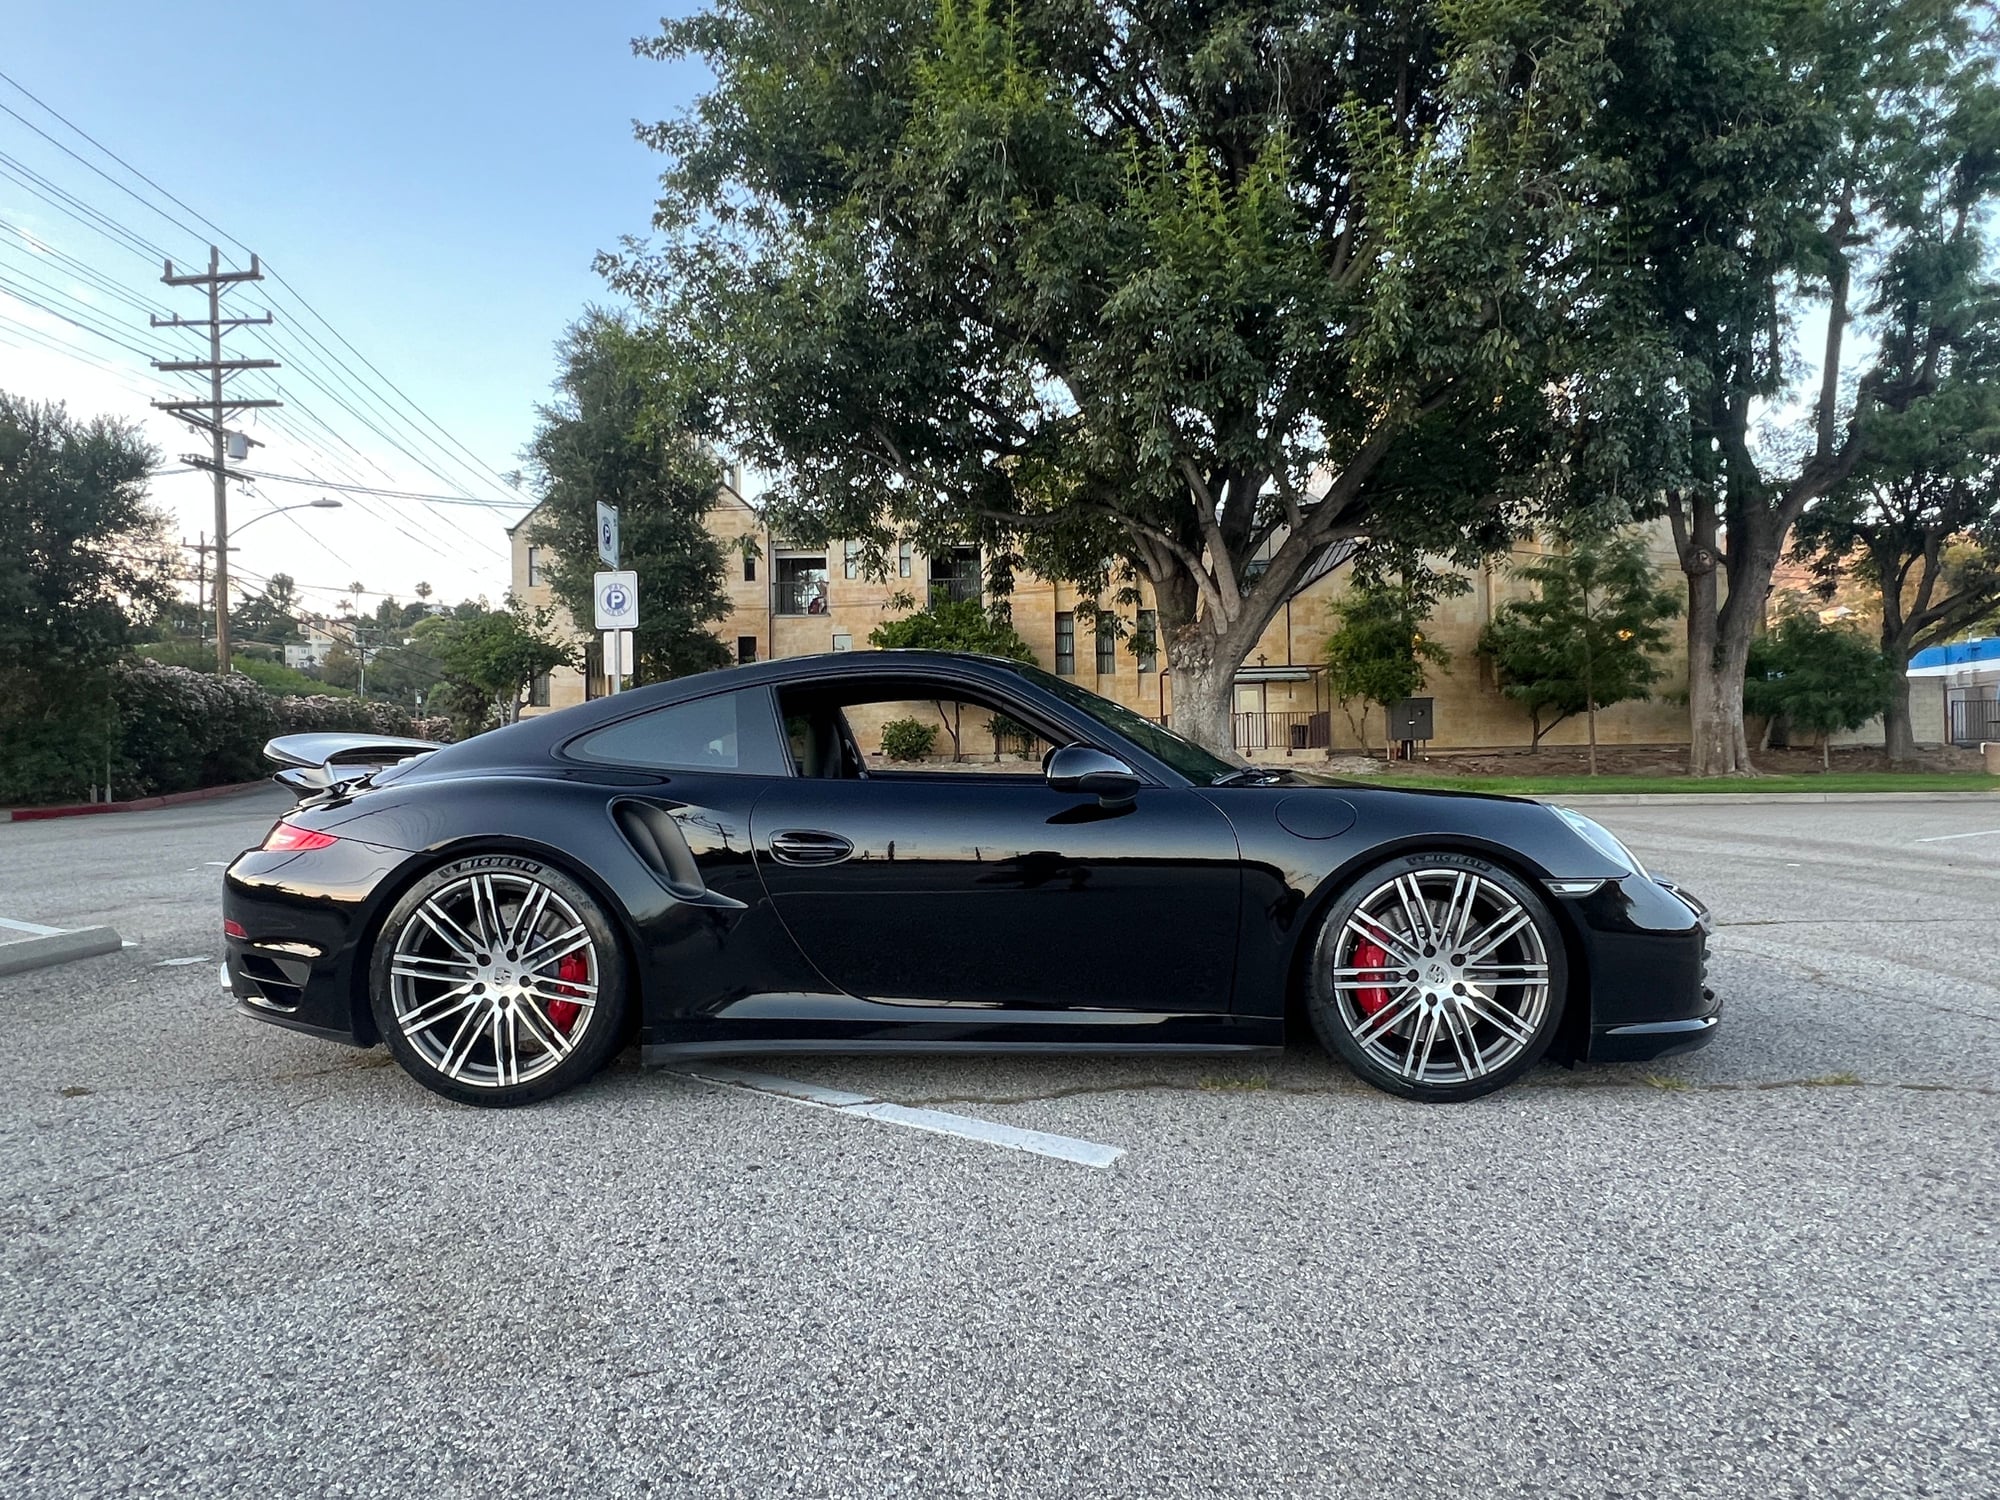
(808, 846)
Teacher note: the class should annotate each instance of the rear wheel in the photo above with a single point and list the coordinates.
(497, 980)
(1439, 977)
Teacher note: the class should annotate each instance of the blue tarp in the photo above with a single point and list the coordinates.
(1959, 654)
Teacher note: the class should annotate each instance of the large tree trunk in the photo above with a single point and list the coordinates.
(1204, 687)
(1711, 739)
(1899, 737)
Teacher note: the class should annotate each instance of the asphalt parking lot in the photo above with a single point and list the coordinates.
(238, 1261)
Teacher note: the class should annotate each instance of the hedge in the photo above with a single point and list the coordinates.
(159, 728)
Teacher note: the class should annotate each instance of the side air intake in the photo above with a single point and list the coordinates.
(656, 839)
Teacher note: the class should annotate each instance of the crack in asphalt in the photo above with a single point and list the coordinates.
(76, 1204)
(1607, 1085)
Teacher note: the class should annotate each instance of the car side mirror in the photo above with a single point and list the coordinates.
(1083, 768)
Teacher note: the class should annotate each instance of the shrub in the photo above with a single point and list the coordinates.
(908, 739)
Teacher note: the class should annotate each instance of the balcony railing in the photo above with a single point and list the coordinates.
(1282, 731)
(954, 588)
(799, 596)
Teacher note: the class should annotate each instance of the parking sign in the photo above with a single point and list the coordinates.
(607, 534)
(617, 596)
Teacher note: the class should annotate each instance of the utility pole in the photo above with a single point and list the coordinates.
(210, 413)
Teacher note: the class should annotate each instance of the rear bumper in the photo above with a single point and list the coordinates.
(304, 916)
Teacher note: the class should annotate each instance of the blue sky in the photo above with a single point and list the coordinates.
(433, 178)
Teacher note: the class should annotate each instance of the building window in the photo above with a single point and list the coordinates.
(1065, 643)
(1107, 648)
(538, 692)
(534, 566)
(903, 560)
(746, 649)
(842, 641)
(850, 563)
(1148, 643)
(749, 567)
(801, 586)
(957, 573)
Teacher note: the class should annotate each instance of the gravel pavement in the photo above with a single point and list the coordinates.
(241, 1262)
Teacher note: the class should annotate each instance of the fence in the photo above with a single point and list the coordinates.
(1282, 731)
(1973, 721)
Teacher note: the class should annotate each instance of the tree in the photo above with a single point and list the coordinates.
(1135, 294)
(1588, 637)
(1376, 654)
(269, 616)
(1919, 518)
(613, 434)
(947, 624)
(1766, 159)
(83, 560)
(1819, 678)
(490, 659)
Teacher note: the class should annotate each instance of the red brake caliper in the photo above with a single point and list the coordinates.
(575, 968)
(1369, 955)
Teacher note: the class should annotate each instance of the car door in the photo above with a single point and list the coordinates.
(958, 889)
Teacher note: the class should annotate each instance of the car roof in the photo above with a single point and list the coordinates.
(535, 739)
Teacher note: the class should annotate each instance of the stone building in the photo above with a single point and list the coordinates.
(790, 599)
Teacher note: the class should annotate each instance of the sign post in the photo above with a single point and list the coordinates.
(617, 596)
(607, 534)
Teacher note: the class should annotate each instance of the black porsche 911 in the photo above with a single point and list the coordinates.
(718, 865)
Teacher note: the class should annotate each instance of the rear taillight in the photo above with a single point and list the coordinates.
(233, 928)
(289, 836)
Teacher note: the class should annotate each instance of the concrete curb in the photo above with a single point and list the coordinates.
(44, 949)
(1745, 799)
(137, 804)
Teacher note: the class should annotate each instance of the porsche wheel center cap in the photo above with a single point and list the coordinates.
(1437, 974)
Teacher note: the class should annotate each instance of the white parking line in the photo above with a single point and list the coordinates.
(1977, 833)
(33, 929)
(1063, 1147)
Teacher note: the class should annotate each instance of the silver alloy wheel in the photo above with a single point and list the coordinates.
(494, 979)
(1440, 976)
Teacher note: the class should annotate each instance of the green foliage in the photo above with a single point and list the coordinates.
(270, 616)
(1139, 294)
(1588, 638)
(84, 561)
(488, 661)
(272, 676)
(952, 625)
(150, 727)
(615, 433)
(1820, 678)
(908, 739)
(1377, 652)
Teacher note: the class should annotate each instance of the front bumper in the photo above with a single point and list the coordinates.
(305, 916)
(1646, 951)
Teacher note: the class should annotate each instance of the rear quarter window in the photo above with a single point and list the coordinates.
(727, 732)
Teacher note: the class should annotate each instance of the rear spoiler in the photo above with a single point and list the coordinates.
(314, 762)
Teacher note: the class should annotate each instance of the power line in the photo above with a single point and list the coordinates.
(523, 504)
(128, 238)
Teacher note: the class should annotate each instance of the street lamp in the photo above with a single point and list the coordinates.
(325, 502)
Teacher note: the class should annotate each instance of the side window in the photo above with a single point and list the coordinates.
(722, 732)
(944, 735)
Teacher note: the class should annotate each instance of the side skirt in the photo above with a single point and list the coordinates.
(664, 1053)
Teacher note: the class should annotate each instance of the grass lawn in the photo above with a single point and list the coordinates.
(1834, 781)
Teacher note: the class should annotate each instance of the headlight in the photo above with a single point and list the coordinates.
(1600, 838)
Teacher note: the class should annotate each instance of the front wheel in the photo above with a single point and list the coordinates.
(1439, 977)
(497, 980)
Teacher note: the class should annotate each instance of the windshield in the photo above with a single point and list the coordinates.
(1185, 756)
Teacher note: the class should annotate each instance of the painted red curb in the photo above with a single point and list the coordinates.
(137, 804)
